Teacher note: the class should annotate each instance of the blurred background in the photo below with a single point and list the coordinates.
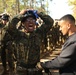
(55, 8)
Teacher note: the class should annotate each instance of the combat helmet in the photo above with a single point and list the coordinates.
(29, 13)
(5, 17)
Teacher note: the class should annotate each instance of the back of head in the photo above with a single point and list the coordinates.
(68, 18)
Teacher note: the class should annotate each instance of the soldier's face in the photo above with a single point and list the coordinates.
(29, 24)
(64, 27)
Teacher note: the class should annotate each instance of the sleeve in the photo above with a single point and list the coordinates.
(66, 58)
(14, 21)
(5, 40)
(47, 23)
(12, 30)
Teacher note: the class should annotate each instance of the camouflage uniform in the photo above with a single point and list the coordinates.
(4, 40)
(27, 45)
(2, 48)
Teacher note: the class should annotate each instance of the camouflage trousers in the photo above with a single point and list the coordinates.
(30, 71)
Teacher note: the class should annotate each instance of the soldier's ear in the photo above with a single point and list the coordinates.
(68, 26)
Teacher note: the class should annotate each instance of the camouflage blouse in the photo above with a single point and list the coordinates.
(27, 45)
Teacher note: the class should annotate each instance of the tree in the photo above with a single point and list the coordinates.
(13, 7)
(73, 4)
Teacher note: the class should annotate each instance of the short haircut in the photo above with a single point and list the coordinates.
(68, 17)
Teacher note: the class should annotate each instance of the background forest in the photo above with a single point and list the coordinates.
(13, 7)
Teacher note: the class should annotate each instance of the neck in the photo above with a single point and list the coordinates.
(72, 31)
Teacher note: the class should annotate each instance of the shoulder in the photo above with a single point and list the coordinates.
(72, 38)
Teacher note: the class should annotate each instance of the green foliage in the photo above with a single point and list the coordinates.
(13, 7)
(73, 4)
